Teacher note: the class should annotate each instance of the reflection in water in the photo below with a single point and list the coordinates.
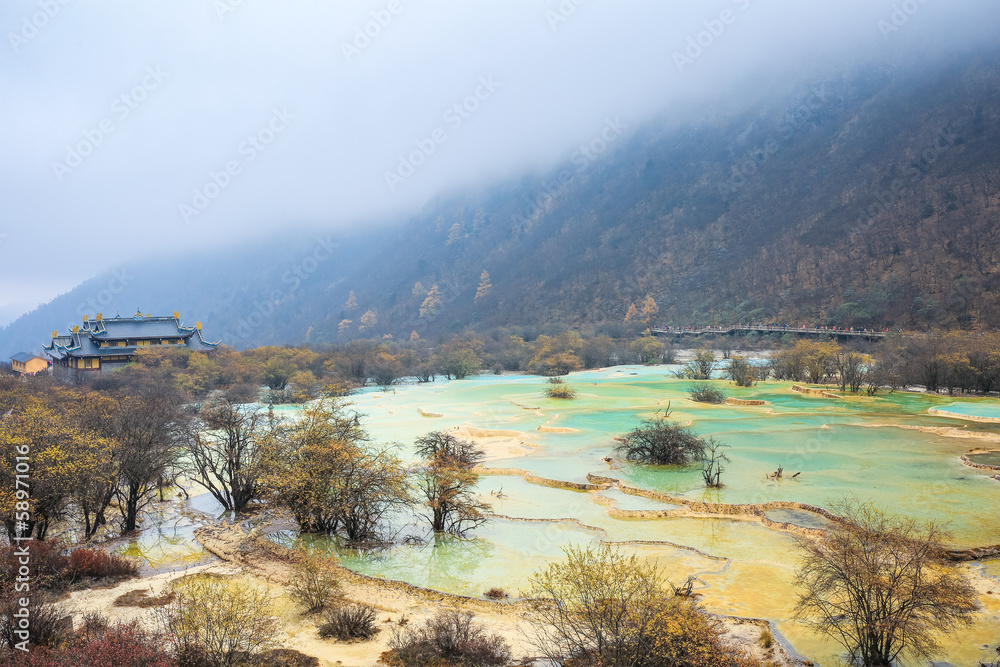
(990, 459)
(799, 518)
(842, 448)
(166, 541)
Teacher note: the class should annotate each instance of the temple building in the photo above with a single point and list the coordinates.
(28, 364)
(108, 343)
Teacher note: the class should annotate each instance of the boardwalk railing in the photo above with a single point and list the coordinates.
(763, 328)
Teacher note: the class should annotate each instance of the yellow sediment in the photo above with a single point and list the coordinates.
(570, 520)
(540, 481)
(981, 466)
(416, 604)
(947, 431)
(690, 508)
(958, 415)
(492, 433)
(808, 391)
(545, 428)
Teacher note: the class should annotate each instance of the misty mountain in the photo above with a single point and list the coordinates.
(868, 199)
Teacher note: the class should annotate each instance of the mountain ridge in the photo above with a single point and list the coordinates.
(868, 199)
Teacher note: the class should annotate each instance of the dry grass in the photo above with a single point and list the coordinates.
(141, 598)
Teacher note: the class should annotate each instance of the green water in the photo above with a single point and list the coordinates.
(987, 407)
(843, 449)
(166, 541)
(990, 459)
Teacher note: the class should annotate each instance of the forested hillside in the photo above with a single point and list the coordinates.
(868, 199)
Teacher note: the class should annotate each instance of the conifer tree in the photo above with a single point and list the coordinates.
(352, 302)
(431, 303)
(368, 320)
(485, 286)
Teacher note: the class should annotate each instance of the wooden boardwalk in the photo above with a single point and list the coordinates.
(799, 331)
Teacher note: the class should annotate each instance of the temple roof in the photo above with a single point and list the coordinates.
(153, 327)
(86, 341)
(24, 357)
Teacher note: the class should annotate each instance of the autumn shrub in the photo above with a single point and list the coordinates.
(449, 638)
(869, 558)
(351, 621)
(48, 624)
(46, 561)
(314, 583)
(142, 599)
(554, 363)
(97, 645)
(661, 441)
(94, 625)
(700, 367)
(496, 593)
(98, 564)
(282, 657)
(121, 645)
(50, 567)
(704, 393)
(600, 606)
(559, 389)
(217, 621)
(683, 634)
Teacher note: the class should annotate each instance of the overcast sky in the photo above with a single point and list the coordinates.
(132, 127)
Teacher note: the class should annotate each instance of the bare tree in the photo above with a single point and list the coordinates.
(447, 481)
(701, 366)
(711, 465)
(333, 479)
(149, 427)
(852, 370)
(879, 586)
(370, 485)
(661, 441)
(227, 449)
(743, 372)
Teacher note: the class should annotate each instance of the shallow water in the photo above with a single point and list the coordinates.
(986, 407)
(166, 539)
(850, 448)
(855, 448)
(990, 459)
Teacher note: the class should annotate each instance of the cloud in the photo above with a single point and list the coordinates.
(121, 117)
